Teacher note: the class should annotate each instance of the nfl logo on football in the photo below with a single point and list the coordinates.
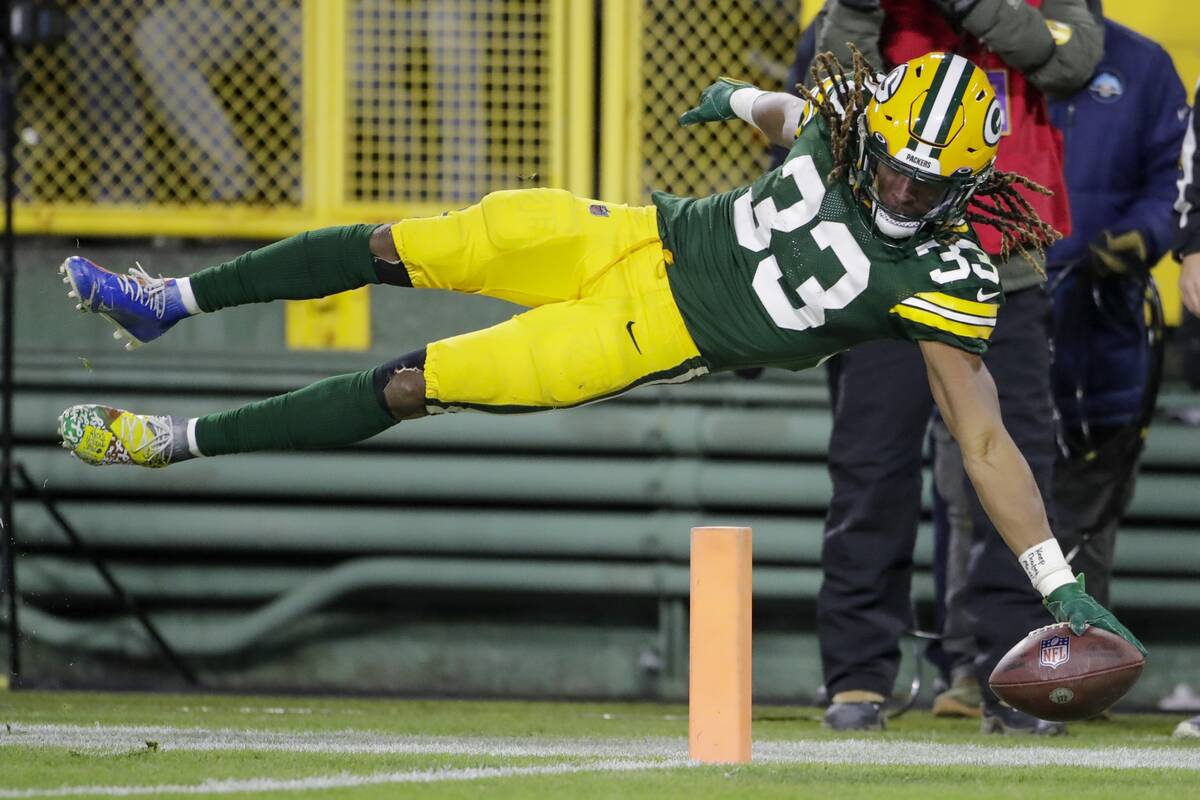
(1055, 651)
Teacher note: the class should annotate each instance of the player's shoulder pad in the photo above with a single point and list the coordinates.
(963, 241)
(825, 94)
(963, 295)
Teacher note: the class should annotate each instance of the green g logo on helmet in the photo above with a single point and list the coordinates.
(993, 123)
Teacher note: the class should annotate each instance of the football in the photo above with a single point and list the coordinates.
(1055, 675)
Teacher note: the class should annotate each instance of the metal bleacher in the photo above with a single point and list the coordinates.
(539, 555)
(580, 515)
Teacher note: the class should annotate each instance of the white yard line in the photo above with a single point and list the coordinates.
(589, 755)
(124, 738)
(343, 780)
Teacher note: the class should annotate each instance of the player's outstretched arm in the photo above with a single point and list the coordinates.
(966, 395)
(776, 114)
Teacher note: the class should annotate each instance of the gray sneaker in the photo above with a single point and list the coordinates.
(1007, 720)
(962, 699)
(854, 717)
(1188, 729)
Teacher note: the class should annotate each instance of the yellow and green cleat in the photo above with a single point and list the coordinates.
(100, 435)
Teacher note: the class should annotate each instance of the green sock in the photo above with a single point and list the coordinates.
(336, 411)
(311, 264)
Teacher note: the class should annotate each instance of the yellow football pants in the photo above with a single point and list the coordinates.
(603, 319)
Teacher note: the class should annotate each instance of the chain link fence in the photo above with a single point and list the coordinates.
(171, 103)
(262, 117)
(447, 100)
(686, 45)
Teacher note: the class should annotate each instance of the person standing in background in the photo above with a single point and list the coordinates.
(881, 403)
(1122, 133)
(1187, 238)
(1187, 250)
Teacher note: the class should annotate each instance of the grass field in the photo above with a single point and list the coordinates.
(157, 745)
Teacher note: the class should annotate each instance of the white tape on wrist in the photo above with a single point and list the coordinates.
(1046, 567)
(741, 102)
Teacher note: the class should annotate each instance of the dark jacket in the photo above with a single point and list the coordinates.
(1122, 136)
(1188, 205)
(1187, 241)
(1017, 33)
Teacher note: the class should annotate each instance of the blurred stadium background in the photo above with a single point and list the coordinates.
(536, 556)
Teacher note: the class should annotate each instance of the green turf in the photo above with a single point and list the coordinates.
(855, 783)
(25, 767)
(50, 767)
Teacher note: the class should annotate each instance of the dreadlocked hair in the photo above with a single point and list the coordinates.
(841, 101)
(998, 203)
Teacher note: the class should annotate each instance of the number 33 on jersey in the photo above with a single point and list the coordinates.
(787, 272)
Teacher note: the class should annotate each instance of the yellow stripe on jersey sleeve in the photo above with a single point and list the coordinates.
(959, 304)
(932, 320)
(806, 116)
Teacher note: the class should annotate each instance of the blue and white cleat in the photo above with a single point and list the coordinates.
(141, 306)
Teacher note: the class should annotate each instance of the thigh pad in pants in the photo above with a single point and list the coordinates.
(565, 354)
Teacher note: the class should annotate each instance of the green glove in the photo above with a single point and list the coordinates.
(1071, 604)
(714, 103)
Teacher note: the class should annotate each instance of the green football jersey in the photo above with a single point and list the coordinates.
(787, 272)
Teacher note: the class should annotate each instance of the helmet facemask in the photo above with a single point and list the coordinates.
(902, 201)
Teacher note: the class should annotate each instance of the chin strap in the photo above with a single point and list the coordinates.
(888, 226)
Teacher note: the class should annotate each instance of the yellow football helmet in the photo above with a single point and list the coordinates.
(927, 140)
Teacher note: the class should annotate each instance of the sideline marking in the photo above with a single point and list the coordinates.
(590, 755)
(125, 738)
(340, 781)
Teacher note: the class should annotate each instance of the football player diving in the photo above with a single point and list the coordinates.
(863, 233)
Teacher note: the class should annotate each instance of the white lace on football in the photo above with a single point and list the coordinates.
(143, 288)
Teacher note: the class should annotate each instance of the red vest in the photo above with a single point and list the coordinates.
(1031, 146)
